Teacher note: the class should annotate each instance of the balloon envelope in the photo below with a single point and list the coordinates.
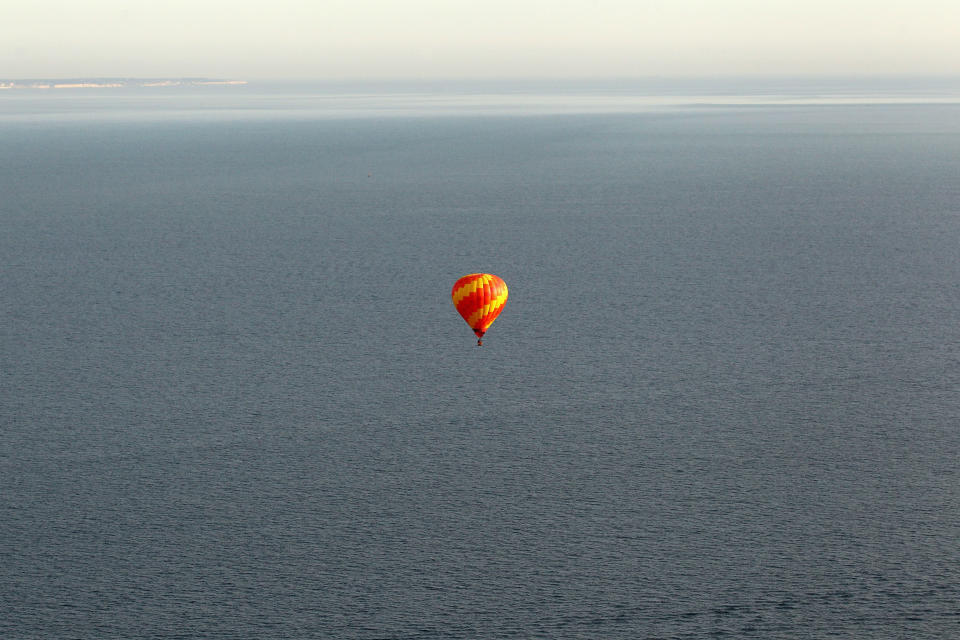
(479, 298)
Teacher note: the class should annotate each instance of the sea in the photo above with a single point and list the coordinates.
(722, 400)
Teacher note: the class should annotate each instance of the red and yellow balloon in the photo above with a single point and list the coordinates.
(479, 298)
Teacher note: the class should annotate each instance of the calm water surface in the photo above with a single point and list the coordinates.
(722, 401)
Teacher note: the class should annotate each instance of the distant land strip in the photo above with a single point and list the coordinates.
(111, 83)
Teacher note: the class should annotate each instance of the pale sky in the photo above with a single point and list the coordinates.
(370, 39)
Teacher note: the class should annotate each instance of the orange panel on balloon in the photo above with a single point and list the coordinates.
(479, 298)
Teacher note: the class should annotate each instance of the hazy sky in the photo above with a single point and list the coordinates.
(476, 38)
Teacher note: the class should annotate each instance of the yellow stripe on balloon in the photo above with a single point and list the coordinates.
(486, 310)
(468, 287)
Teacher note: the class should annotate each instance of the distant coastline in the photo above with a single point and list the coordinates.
(112, 83)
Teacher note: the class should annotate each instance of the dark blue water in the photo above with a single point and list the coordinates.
(722, 401)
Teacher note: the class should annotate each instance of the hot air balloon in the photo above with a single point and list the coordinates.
(479, 298)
